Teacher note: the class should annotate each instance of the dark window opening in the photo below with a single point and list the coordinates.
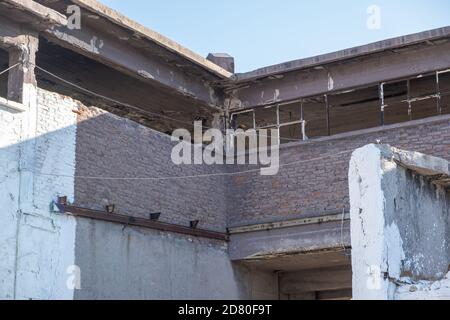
(314, 112)
(291, 127)
(266, 117)
(396, 106)
(354, 110)
(387, 103)
(423, 95)
(4, 64)
(444, 89)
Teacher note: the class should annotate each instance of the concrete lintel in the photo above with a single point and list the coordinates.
(292, 240)
(37, 15)
(324, 279)
(288, 223)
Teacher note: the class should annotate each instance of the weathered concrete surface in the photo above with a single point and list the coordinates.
(289, 240)
(347, 54)
(399, 219)
(132, 263)
(366, 70)
(37, 247)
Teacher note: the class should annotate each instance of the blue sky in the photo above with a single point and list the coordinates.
(259, 33)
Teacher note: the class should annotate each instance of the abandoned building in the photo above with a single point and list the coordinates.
(92, 207)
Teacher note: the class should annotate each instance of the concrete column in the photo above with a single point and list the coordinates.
(399, 220)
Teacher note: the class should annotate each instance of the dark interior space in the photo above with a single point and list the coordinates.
(354, 110)
(324, 115)
(4, 63)
(177, 111)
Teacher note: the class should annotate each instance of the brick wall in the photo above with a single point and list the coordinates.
(110, 146)
(318, 184)
(312, 180)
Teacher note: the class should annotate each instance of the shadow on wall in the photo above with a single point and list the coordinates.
(114, 261)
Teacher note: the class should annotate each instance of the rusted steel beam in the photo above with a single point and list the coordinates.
(138, 222)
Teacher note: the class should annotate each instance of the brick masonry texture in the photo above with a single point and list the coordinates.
(110, 146)
(319, 186)
(316, 184)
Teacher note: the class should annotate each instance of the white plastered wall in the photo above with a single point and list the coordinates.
(37, 247)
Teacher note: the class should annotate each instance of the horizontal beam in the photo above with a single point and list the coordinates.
(346, 54)
(123, 21)
(138, 222)
(316, 280)
(290, 240)
(34, 13)
(365, 71)
(117, 53)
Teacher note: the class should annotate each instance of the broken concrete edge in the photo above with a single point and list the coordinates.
(346, 54)
(422, 164)
(124, 22)
(380, 251)
(50, 17)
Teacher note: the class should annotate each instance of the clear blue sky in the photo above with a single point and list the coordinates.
(259, 33)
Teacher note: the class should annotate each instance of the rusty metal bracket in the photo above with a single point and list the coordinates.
(65, 208)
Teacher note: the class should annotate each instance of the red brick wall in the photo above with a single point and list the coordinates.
(319, 186)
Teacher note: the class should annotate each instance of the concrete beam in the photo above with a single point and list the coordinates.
(104, 48)
(37, 15)
(346, 54)
(302, 238)
(328, 279)
(343, 75)
(122, 21)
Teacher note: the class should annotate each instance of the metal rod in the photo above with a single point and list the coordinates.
(381, 93)
(328, 115)
(438, 92)
(278, 123)
(139, 222)
(408, 84)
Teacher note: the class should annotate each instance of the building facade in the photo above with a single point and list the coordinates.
(93, 207)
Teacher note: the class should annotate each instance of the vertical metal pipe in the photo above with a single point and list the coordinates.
(328, 115)
(438, 92)
(381, 97)
(278, 124)
(408, 84)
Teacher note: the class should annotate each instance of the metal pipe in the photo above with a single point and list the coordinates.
(381, 94)
(328, 115)
(139, 222)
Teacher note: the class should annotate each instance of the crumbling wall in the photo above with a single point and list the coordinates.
(313, 178)
(400, 222)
